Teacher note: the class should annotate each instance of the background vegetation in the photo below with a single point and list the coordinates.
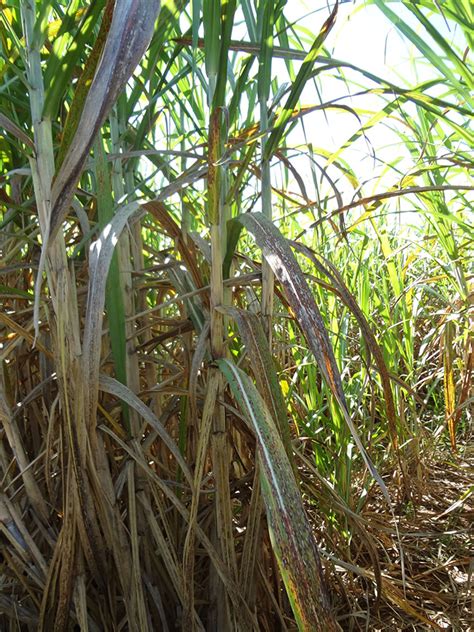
(236, 356)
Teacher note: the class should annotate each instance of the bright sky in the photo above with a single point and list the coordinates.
(364, 37)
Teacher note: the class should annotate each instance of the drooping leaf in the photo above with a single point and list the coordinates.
(290, 532)
(277, 252)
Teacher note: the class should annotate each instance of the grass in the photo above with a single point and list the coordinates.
(236, 371)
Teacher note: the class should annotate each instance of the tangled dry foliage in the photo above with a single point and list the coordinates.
(433, 589)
